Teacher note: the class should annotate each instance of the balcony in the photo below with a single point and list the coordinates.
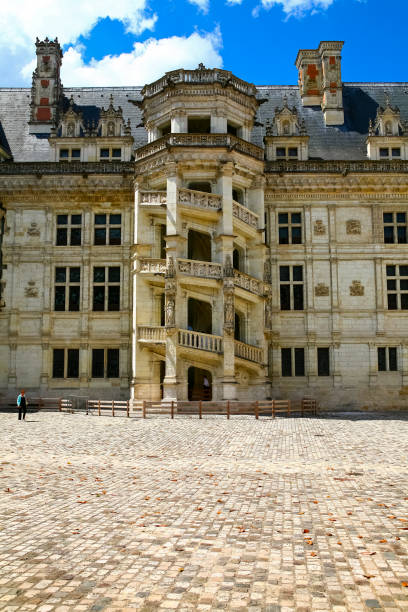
(152, 266)
(199, 199)
(200, 341)
(248, 352)
(152, 198)
(201, 269)
(150, 334)
(227, 141)
(244, 214)
(249, 283)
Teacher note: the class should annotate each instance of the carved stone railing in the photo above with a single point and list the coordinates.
(150, 333)
(197, 340)
(203, 269)
(199, 199)
(200, 140)
(152, 265)
(152, 197)
(248, 282)
(244, 214)
(85, 168)
(247, 351)
(337, 167)
(201, 75)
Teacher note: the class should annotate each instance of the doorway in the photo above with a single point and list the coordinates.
(199, 385)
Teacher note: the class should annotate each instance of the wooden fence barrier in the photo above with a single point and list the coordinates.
(113, 406)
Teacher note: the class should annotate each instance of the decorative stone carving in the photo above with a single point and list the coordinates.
(356, 288)
(229, 307)
(267, 272)
(353, 226)
(31, 290)
(199, 268)
(321, 290)
(319, 229)
(33, 230)
(152, 197)
(171, 270)
(228, 268)
(245, 215)
(268, 313)
(200, 199)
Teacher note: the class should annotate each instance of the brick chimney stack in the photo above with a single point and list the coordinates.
(46, 89)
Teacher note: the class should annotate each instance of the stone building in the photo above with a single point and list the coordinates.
(202, 238)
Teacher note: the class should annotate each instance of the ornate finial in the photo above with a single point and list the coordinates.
(387, 98)
(268, 128)
(285, 101)
(302, 128)
(71, 101)
(201, 66)
(111, 101)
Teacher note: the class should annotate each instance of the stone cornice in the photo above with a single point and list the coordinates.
(66, 168)
(336, 167)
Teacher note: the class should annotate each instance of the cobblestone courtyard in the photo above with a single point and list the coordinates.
(102, 513)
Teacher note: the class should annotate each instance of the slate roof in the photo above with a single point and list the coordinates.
(346, 142)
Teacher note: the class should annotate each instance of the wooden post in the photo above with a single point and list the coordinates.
(228, 409)
(273, 409)
(172, 409)
(60, 404)
(99, 407)
(144, 409)
(302, 407)
(113, 407)
(200, 410)
(127, 408)
(288, 407)
(257, 410)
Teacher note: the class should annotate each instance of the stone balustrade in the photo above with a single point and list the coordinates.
(152, 265)
(244, 214)
(248, 282)
(151, 333)
(197, 340)
(199, 199)
(203, 269)
(152, 197)
(247, 351)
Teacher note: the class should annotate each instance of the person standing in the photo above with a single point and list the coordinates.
(22, 405)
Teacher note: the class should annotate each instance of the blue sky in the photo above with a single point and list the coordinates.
(135, 41)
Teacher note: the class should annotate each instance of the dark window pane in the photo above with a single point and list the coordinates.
(402, 234)
(323, 362)
(100, 219)
(114, 275)
(285, 297)
(392, 301)
(104, 153)
(76, 153)
(61, 236)
(99, 275)
(100, 235)
(116, 152)
(73, 363)
(113, 363)
(283, 235)
(297, 273)
(387, 217)
(76, 219)
(299, 362)
(391, 284)
(76, 236)
(59, 302)
(401, 217)
(383, 152)
(296, 235)
(286, 354)
(404, 284)
(404, 301)
(64, 153)
(99, 298)
(60, 275)
(381, 359)
(74, 275)
(97, 363)
(62, 219)
(390, 270)
(113, 297)
(293, 151)
(74, 292)
(115, 219)
(283, 218)
(403, 270)
(280, 152)
(114, 235)
(396, 152)
(296, 218)
(58, 363)
(388, 234)
(284, 273)
(392, 359)
(298, 297)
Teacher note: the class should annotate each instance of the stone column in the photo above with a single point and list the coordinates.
(179, 122)
(228, 382)
(12, 374)
(84, 373)
(218, 124)
(170, 380)
(373, 364)
(45, 367)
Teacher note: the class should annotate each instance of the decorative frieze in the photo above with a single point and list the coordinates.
(203, 269)
(152, 197)
(153, 266)
(31, 291)
(356, 288)
(248, 282)
(190, 197)
(321, 290)
(229, 307)
(244, 214)
(319, 228)
(353, 226)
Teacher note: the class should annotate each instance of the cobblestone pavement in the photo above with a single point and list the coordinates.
(102, 513)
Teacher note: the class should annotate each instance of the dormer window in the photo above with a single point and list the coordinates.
(286, 136)
(287, 152)
(390, 152)
(70, 154)
(110, 154)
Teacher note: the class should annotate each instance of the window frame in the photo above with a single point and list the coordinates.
(290, 225)
(69, 226)
(110, 157)
(67, 351)
(107, 227)
(67, 284)
(287, 148)
(320, 374)
(294, 352)
(387, 359)
(106, 283)
(291, 283)
(106, 362)
(395, 225)
(69, 157)
(396, 290)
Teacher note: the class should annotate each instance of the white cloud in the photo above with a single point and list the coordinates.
(203, 5)
(297, 8)
(148, 61)
(233, 2)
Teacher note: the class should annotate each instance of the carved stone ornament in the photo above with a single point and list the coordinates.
(356, 288)
(353, 226)
(319, 228)
(267, 272)
(321, 290)
(229, 307)
(31, 290)
(228, 268)
(171, 269)
(33, 230)
(268, 313)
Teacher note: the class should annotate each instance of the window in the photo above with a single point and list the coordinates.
(70, 154)
(105, 363)
(293, 361)
(106, 290)
(323, 362)
(65, 363)
(110, 154)
(69, 230)
(397, 287)
(232, 129)
(395, 227)
(390, 152)
(387, 359)
(199, 125)
(291, 287)
(290, 228)
(163, 231)
(67, 289)
(107, 229)
(287, 152)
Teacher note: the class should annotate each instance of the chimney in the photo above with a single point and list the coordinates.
(46, 89)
